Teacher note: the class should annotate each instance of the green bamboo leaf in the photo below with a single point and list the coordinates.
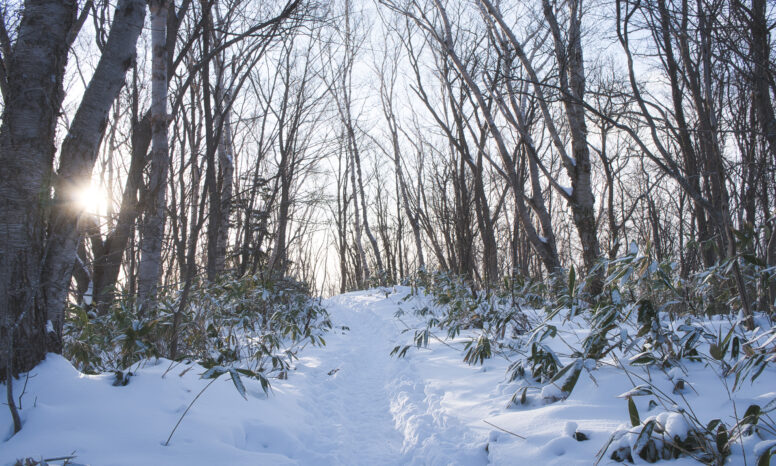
(572, 378)
(770, 406)
(752, 415)
(633, 412)
(238, 384)
(765, 457)
(643, 359)
(722, 439)
(644, 436)
(717, 352)
(753, 260)
(214, 372)
(640, 390)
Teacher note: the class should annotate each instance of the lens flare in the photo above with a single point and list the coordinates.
(92, 199)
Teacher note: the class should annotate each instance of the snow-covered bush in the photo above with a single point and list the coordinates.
(491, 318)
(251, 323)
(111, 340)
(649, 323)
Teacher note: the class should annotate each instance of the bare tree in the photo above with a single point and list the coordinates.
(152, 229)
(27, 141)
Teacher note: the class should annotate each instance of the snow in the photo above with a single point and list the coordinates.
(570, 429)
(350, 403)
(88, 294)
(552, 392)
(676, 426)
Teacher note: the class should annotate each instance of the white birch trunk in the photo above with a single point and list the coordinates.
(149, 270)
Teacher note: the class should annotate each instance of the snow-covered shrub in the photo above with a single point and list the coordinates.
(489, 318)
(527, 292)
(649, 323)
(677, 432)
(666, 436)
(111, 340)
(254, 323)
(648, 318)
(250, 323)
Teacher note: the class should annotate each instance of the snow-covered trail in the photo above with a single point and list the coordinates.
(348, 404)
(365, 407)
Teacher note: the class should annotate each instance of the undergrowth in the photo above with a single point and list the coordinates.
(647, 320)
(249, 326)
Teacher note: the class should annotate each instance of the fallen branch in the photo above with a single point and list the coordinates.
(503, 430)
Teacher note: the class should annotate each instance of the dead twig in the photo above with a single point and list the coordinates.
(503, 430)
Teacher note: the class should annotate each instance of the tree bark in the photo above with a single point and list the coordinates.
(362, 196)
(107, 265)
(279, 260)
(761, 74)
(36, 66)
(226, 165)
(544, 246)
(79, 153)
(571, 74)
(357, 226)
(152, 228)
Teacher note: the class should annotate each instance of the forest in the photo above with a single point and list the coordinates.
(555, 190)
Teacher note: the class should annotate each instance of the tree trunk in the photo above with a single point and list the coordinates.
(35, 68)
(761, 74)
(689, 154)
(412, 217)
(362, 195)
(226, 164)
(152, 228)
(79, 153)
(571, 74)
(342, 220)
(403, 191)
(359, 244)
(279, 261)
(107, 265)
(218, 224)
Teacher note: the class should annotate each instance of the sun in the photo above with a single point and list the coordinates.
(92, 199)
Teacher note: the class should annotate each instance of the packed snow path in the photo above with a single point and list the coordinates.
(349, 405)
(369, 408)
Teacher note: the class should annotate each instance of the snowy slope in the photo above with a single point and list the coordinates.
(348, 403)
